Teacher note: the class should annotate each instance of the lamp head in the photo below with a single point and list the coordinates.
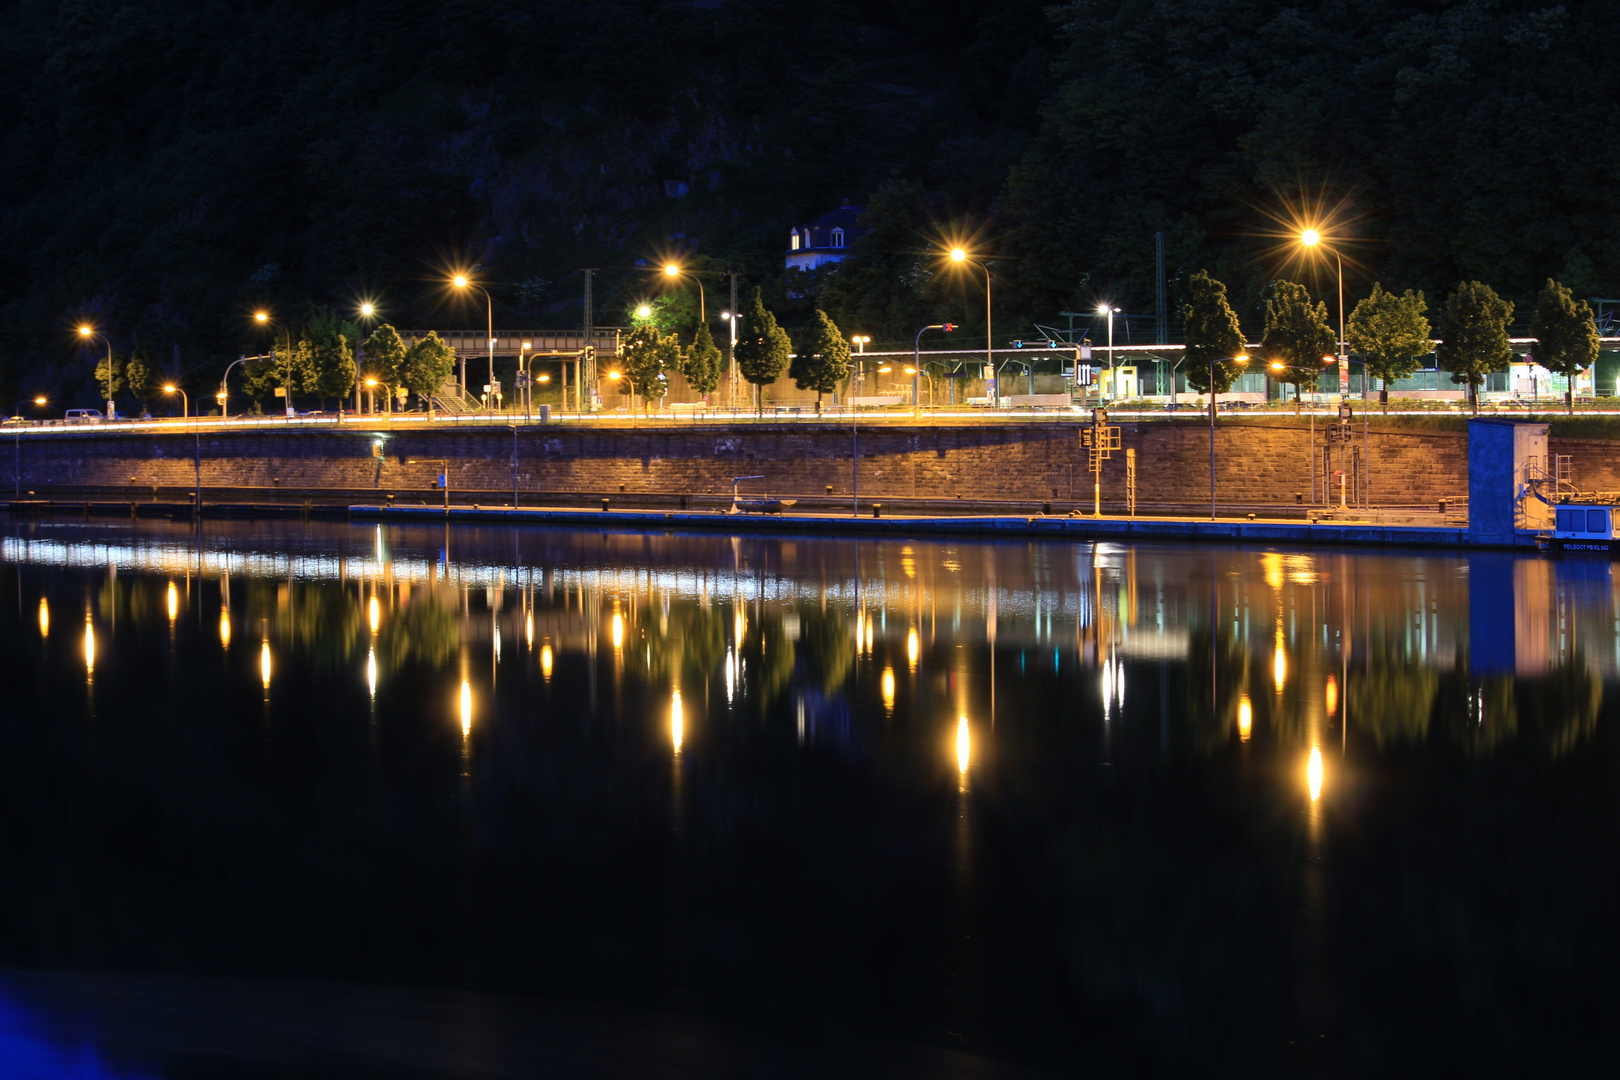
(168, 389)
(459, 281)
(371, 382)
(367, 310)
(528, 344)
(958, 255)
(910, 370)
(1240, 359)
(545, 378)
(39, 401)
(885, 369)
(1310, 238)
(261, 316)
(85, 331)
(1276, 365)
(1330, 359)
(672, 270)
(644, 312)
(615, 376)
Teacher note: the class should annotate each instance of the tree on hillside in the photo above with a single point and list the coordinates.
(1566, 336)
(762, 346)
(1391, 335)
(1297, 336)
(701, 365)
(385, 358)
(646, 357)
(1212, 335)
(427, 365)
(822, 361)
(1473, 335)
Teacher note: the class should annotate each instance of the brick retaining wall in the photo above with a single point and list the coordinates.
(1256, 463)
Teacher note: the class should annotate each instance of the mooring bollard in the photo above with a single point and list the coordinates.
(1046, 508)
(877, 509)
(683, 502)
(1442, 506)
(604, 506)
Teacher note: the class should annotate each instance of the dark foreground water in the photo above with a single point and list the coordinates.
(285, 800)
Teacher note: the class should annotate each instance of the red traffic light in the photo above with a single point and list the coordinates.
(949, 327)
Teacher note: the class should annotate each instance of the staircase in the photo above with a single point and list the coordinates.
(450, 399)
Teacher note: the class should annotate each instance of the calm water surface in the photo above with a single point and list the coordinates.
(335, 800)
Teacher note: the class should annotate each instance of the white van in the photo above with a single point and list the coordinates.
(82, 416)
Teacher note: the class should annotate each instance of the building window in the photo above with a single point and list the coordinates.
(793, 240)
(838, 238)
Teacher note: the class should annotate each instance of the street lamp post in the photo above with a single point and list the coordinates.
(460, 281)
(675, 271)
(263, 319)
(916, 352)
(185, 402)
(224, 389)
(1366, 437)
(1239, 360)
(958, 255)
(1311, 238)
(1109, 310)
(87, 332)
(860, 341)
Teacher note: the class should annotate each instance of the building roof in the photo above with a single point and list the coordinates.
(818, 235)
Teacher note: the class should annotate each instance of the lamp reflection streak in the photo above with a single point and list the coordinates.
(677, 722)
(44, 618)
(1313, 773)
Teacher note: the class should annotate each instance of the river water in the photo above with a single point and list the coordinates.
(288, 799)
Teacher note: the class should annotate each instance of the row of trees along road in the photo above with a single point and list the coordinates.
(764, 352)
(1388, 333)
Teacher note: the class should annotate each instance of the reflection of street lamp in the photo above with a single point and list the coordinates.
(1239, 360)
(460, 281)
(87, 332)
(961, 257)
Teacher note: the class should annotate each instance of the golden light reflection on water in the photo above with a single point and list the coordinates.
(466, 708)
(618, 630)
(264, 663)
(371, 671)
(1271, 564)
(888, 689)
(677, 721)
(913, 649)
(1279, 665)
(374, 613)
(225, 628)
(89, 646)
(1313, 773)
(174, 602)
(44, 618)
(545, 662)
(1245, 718)
(1330, 695)
(964, 745)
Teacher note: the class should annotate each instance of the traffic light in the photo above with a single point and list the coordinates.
(949, 327)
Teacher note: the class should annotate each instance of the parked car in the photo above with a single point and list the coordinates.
(83, 416)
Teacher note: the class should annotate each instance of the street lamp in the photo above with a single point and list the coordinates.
(916, 352)
(185, 403)
(1312, 239)
(1239, 360)
(263, 319)
(1109, 310)
(89, 332)
(644, 311)
(961, 257)
(675, 271)
(371, 392)
(460, 281)
(860, 341)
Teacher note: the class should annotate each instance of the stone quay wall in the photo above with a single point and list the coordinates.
(1256, 464)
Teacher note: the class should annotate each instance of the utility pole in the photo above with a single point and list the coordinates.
(587, 351)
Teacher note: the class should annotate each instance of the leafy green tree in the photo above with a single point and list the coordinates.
(1473, 335)
(762, 346)
(427, 365)
(702, 363)
(1212, 335)
(1566, 336)
(888, 283)
(822, 361)
(1297, 335)
(646, 358)
(385, 357)
(1391, 335)
(139, 377)
(109, 376)
(331, 357)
